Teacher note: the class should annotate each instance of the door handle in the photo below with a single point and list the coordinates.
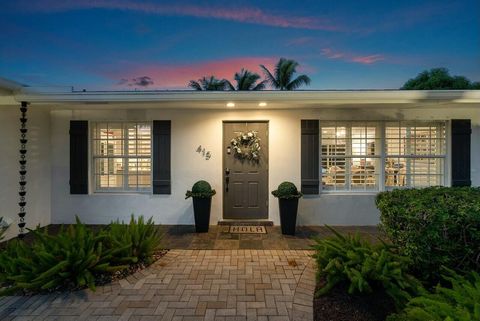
(227, 178)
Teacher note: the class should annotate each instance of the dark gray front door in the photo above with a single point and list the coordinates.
(245, 182)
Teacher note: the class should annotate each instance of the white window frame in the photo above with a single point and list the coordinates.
(382, 155)
(349, 155)
(93, 174)
(412, 156)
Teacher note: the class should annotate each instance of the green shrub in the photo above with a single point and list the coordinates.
(3, 227)
(140, 239)
(201, 189)
(70, 258)
(436, 226)
(460, 302)
(287, 190)
(364, 267)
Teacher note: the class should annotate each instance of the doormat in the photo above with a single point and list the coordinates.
(248, 229)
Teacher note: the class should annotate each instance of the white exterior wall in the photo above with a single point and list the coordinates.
(38, 167)
(191, 128)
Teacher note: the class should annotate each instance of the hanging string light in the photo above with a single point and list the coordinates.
(23, 169)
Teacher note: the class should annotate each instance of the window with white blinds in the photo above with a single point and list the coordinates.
(370, 156)
(415, 154)
(350, 155)
(121, 156)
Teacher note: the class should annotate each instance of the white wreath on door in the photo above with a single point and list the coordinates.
(246, 145)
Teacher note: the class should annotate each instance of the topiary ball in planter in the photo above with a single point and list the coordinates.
(288, 195)
(201, 194)
(287, 190)
(201, 189)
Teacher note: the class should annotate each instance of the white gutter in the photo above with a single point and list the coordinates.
(320, 97)
(10, 85)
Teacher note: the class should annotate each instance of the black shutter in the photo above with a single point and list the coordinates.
(161, 157)
(78, 157)
(310, 157)
(461, 131)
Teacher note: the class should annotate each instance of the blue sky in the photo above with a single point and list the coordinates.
(111, 44)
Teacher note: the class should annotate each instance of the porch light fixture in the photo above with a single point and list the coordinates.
(262, 104)
(230, 104)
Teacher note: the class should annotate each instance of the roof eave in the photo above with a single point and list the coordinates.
(393, 96)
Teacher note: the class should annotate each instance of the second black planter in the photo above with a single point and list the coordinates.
(288, 215)
(201, 211)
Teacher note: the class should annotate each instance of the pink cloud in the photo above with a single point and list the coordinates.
(239, 14)
(329, 53)
(177, 76)
(350, 57)
(367, 60)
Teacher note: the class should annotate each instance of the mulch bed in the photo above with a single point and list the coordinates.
(104, 279)
(338, 305)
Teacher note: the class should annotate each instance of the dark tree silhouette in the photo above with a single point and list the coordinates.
(208, 83)
(282, 77)
(247, 80)
(439, 78)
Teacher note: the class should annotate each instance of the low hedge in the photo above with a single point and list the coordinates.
(435, 226)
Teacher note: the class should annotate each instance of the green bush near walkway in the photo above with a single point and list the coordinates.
(460, 301)
(363, 267)
(75, 256)
(434, 227)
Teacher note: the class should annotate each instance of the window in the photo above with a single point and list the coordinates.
(122, 156)
(415, 154)
(352, 155)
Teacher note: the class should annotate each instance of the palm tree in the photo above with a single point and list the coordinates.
(246, 80)
(284, 70)
(208, 83)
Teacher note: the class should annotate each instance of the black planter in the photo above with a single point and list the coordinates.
(288, 215)
(201, 211)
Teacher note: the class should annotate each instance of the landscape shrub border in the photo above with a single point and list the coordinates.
(77, 256)
(437, 230)
(434, 227)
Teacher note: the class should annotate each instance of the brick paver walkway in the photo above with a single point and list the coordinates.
(268, 285)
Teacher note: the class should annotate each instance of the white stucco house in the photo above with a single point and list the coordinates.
(104, 155)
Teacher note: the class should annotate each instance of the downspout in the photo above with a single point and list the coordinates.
(23, 169)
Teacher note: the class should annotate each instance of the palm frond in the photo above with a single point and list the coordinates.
(247, 80)
(260, 86)
(205, 82)
(195, 85)
(269, 77)
(278, 72)
(298, 82)
(290, 69)
(228, 85)
(209, 83)
(240, 79)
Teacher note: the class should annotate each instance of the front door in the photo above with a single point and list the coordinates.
(245, 175)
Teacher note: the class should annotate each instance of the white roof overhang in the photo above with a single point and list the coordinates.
(250, 99)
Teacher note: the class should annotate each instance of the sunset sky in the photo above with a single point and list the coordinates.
(112, 44)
